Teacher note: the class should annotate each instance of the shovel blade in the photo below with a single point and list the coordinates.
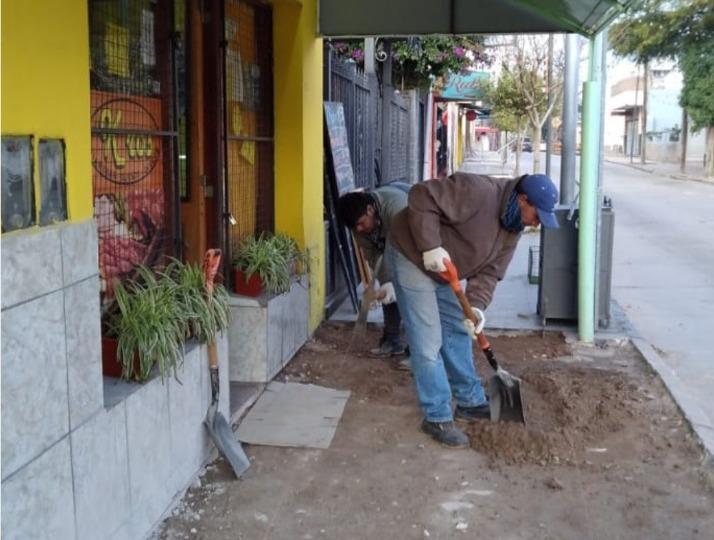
(225, 440)
(505, 400)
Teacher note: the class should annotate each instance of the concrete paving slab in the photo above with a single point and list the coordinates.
(292, 414)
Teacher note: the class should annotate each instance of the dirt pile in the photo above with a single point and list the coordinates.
(575, 401)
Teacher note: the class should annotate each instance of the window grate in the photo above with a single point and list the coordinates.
(248, 118)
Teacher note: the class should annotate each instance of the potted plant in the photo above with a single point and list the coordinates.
(202, 317)
(259, 265)
(148, 326)
(288, 248)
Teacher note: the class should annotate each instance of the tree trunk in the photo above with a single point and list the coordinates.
(645, 86)
(709, 155)
(685, 138)
(518, 154)
(536, 151)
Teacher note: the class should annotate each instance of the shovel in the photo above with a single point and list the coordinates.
(369, 296)
(504, 389)
(218, 428)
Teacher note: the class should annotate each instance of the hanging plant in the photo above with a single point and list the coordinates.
(423, 62)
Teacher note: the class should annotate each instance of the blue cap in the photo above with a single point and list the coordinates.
(542, 194)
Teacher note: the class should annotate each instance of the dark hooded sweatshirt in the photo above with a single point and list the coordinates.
(460, 213)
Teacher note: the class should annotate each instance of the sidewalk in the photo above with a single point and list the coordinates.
(694, 172)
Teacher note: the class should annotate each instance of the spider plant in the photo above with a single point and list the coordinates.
(288, 247)
(202, 317)
(258, 254)
(149, 327)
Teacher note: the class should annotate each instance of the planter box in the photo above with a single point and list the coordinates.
(266, 332)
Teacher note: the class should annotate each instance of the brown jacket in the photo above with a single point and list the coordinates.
(460, 213)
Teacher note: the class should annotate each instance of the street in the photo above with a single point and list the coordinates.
(663, 270)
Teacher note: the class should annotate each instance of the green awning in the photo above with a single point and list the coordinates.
(419, 17)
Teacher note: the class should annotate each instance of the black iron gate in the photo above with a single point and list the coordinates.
(378, 128)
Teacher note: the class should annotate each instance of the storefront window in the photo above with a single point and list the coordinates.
(136, 155)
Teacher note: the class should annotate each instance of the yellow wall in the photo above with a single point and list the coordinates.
(298, 137)
(45, 85)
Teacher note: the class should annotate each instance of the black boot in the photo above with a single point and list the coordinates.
(471, 414)
(446, 433)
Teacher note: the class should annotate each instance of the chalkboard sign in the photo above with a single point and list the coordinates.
(339, 147)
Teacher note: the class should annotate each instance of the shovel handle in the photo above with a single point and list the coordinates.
(211, 263)
(451, 275)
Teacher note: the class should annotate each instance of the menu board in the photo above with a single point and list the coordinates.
(339, 147)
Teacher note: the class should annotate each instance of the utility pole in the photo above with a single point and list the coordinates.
(549, 120)
(643, 150)
(570, 120)
(588, 204)
(684, 136)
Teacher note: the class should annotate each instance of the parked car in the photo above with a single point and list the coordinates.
(526, 144)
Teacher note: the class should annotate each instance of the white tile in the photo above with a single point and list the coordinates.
(247, 343)
(84, 352)
(224, 398)
(101, 474)
(79, 251)
(31, 264)
(37, 502)
(277, 321)
(187, 409)
(34, 380)
(147, 413)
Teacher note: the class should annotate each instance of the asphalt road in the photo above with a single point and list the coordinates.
(663, 273)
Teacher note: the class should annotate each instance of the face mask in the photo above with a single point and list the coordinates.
(511, 217)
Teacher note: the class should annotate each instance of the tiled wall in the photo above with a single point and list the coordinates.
(265, 334)
(72, 468)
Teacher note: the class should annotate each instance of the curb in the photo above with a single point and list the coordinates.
(674, 176)
(691, 411)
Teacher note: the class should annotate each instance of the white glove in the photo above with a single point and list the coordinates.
(386, 293)
(473, 329)
(434, 259)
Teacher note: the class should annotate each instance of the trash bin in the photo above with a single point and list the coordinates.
(558, 276)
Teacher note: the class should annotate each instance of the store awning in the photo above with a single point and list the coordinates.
(418, 17)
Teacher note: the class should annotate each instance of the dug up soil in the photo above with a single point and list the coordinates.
(605, 454)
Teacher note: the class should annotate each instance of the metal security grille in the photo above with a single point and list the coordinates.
(398, 139)
(248, 118)
(134, 46)
(359, 93)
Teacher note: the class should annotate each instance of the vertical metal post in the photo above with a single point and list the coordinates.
(570, 120)
(600, 161)
(645, 96)
(635, 128)
(587, 227)
(549, 120)
(369, 56)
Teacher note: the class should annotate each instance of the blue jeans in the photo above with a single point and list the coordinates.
(440, 349)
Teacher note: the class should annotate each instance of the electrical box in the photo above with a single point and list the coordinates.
(558, 283)
(53, 200)
(18, 195)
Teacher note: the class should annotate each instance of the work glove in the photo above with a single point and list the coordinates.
(386, 293)
(473, 329)
(434, 259)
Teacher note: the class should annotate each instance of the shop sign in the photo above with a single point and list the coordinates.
(131, 157)
(129, 201)
(465, 86)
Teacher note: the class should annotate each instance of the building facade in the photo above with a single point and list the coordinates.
(131, 131)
